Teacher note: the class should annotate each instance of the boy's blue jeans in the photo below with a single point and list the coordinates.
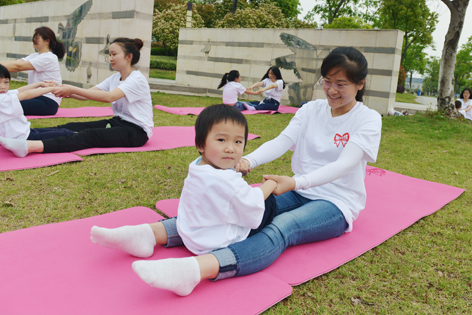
(299, 220)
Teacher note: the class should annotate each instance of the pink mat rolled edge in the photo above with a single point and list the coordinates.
(56, 269)
(78, 112)
(197, 110)
(394, 202)
(9, 162)
(163, 138)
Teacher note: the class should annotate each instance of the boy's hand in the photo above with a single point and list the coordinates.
(243, 166)
(285, 183)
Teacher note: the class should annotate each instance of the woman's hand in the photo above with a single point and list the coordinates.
(64, 91)
(51, 83)
(285, 183)
(243, 166)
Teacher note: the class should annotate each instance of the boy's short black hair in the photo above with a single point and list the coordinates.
(458, 104)
(215, 114)
(4, 73)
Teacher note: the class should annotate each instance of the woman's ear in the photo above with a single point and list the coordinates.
(361, 85)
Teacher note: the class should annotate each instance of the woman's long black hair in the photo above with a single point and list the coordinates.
(276, 72)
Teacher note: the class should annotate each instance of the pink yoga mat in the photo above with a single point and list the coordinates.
(197, 110)
(394, 202)
(56, 269)
(163, 138)
(9, 162)
(78, 112)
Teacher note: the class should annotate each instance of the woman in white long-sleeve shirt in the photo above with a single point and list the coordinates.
(332, 140)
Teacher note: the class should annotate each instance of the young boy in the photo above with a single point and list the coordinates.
(217, 207)
(13, 124)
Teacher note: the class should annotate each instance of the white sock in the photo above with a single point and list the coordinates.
(248, 107)
(17, 146)
(179, 275)
(136, 240)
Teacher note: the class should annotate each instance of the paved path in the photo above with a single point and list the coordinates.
(426, 102)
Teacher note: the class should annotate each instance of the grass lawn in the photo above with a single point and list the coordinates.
(163, 58)
(162, 74)
(425, 269)
(406, 98)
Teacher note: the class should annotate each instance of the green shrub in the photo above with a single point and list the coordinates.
(161, 51)
(163, 62)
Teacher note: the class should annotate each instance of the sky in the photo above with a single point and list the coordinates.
(441, 28)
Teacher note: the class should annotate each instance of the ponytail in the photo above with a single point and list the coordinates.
(224, 80)
(229, 76)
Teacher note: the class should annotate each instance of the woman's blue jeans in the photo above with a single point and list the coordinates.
(299, 220)
(266, 104)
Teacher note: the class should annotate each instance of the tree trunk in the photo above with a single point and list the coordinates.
(458, 9)
(411, 78)
(235, 6)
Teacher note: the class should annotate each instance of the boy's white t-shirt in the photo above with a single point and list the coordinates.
(13, 124)
(217, 208)
(231, 91)
(136, 105)
(275, 93)
(319, 140)
(46, 67)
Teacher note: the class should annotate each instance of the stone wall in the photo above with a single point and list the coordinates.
(86, 28)
(206, 54)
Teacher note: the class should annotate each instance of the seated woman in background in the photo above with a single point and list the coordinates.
(41, 66)
(130, 97)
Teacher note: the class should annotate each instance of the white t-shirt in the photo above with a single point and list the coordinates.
(319, 139)
(46, 67)
(275, 93)
(231, 91)
(13, 124)
(217, 208)
(467, 114)
(136, 105)
(466, 104)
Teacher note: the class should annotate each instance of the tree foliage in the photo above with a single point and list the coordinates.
(348, 23)
(289, 7)
(412, 17)
(328, 10)
(267, 15)
(166, 24)
(10, 2)
(463, 67)
(415, 62)
(430, 82)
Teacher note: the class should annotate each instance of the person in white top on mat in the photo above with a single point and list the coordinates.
(42, 65)
(332, 139)
(130, 97)
(232, 87)
(217, 206)
(273, 86)
(13, 124)
(466, 103)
